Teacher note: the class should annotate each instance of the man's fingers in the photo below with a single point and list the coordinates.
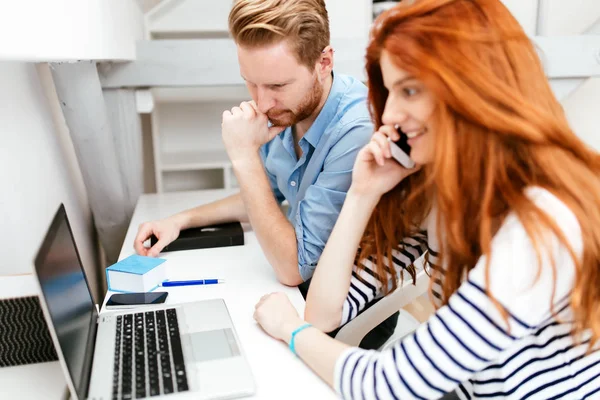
(154, 251)
(138, 246)
(259, 113)
(248, 109)
(144, 232)
(275, 130)
(141, 251)
(255, 106)
(157, 248)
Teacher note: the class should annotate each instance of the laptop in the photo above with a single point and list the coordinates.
(189, 350)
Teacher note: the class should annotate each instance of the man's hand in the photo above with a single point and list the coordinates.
(244, 130)
(165, 230)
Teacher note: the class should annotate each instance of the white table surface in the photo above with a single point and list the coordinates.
(248, 276)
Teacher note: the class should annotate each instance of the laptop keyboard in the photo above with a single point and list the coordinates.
(148, 355)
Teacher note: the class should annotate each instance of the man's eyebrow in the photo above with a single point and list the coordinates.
(281, 83)
(273, 83)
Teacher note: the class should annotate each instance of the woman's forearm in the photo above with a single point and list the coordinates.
(319, 351)
(331, 280)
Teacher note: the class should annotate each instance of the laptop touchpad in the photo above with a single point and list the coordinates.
(213, 345)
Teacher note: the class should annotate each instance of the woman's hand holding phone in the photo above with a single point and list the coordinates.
(376, 171)
(401, 151)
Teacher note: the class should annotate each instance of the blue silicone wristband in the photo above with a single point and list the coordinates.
(293, 339)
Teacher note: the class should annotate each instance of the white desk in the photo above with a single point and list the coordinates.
(278, 373)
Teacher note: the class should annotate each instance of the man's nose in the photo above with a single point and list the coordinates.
(264, 101)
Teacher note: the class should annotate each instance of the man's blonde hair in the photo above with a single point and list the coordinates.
(304, 23)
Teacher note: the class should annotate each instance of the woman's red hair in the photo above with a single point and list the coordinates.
(498, 130)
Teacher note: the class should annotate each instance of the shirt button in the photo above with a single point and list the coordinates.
(293, 183)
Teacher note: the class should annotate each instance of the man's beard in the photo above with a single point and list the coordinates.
(307, 106)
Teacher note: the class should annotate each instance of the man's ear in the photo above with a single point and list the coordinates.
(325, 62)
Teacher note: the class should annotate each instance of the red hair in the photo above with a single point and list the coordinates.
(499, 130)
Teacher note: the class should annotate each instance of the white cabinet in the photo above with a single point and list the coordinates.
(186, 131)
(186, 121)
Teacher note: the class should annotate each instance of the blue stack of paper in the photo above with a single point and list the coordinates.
(136, 274)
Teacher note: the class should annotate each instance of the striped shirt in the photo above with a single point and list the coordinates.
(467, 345)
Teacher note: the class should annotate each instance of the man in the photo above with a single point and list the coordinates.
(296, 140)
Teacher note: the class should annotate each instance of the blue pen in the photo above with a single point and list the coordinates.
(193, 282)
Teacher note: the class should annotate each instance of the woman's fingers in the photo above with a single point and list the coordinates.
(390, 132)
(375, 149)
(382, 141)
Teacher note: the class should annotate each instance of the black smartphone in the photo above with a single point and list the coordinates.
(131, 300)
(401, 151)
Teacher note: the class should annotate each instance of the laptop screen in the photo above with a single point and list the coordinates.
(68, 299)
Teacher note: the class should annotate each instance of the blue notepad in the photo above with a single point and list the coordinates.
(136, 274)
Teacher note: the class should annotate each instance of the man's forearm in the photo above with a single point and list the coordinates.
(228, 209)
(275, 234)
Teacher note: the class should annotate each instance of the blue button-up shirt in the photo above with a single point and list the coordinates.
(315, 185)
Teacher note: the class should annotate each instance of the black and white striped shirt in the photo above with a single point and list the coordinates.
(467, 345)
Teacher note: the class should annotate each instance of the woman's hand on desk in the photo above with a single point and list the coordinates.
(277, 316)
(166, 230)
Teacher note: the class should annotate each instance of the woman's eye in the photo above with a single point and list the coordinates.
(409, 92)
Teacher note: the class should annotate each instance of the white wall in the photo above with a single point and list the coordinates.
(574, 17)
(347, 18)
(38, 166)
(208, 16)
(38, 171)
(43, 30)
(582, 101)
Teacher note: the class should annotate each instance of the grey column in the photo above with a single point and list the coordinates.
(106, 134)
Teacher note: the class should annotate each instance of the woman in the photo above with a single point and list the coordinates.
(508, 199)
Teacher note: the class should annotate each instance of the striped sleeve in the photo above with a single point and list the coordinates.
(468, 334)
(365, 285)
(460, 339)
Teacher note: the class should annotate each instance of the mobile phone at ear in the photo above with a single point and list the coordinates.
(132, 300)
(401, 151)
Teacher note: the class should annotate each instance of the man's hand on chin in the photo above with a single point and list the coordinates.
(244, 130)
